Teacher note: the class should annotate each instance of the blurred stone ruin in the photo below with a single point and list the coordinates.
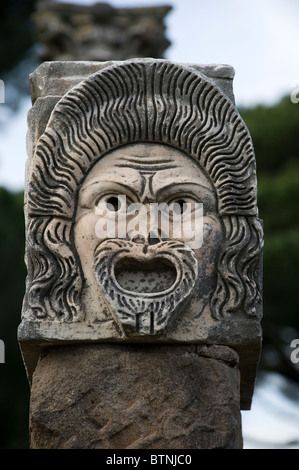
(99, 32)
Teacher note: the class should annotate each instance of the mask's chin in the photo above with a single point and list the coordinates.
(145, 290)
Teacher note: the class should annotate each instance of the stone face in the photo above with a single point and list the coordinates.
(137, 174)
(111, 397)
(131, 136)
(99, 32)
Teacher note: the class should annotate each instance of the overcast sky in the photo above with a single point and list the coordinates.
(259, 38)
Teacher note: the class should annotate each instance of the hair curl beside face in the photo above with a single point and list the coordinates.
(140, 100)
(239, 268)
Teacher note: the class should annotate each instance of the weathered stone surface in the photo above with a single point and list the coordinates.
(153, 132)
(58, 77)
(136, 397)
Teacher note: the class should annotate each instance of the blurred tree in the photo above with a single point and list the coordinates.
(14, 390)
(17, 42)
(18, 53)
(16, 31)
(274, 130)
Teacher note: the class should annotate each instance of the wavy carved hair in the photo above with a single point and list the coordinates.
(140, 100)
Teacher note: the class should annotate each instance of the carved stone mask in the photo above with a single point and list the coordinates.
(143, 131)
(147, 276)
(145, 102)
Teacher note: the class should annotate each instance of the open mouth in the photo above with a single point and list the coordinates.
(152, 276)
(145, 291)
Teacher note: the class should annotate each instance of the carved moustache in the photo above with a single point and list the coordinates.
(146, 285)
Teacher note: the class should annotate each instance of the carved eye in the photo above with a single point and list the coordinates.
(113, 204)
(179, 206)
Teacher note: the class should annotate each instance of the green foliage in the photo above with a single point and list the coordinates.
(16, 39)
(274, 131)
(278, 196)
(14, 390)
(16, 31)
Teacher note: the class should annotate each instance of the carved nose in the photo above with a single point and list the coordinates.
(151, 239)
(138, 238)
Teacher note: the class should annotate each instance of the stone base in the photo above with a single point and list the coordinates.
(105, 396)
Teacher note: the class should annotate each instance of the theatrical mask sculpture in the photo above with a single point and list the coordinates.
(135, 135)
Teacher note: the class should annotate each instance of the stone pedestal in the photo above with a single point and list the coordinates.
(136, 397)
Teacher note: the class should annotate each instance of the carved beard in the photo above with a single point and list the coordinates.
(146, 285)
